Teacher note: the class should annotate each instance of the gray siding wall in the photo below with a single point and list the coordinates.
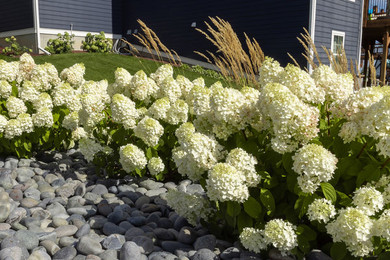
(15, 15)
(275, 24)
(339, 15)
(85, 15)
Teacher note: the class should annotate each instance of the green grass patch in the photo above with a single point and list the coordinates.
(100, 66)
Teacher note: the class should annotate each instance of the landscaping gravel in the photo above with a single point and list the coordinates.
(53, 206)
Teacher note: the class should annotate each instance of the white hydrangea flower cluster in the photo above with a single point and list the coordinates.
(169, 88)
(26, 65)
(141, 87)
(74, 75)
(193, 207)
(79, 133)
(28, 92)
(64, 94)
(44, 76)
(337, 87)
(9, 71)
(177, 113)
(89, 147)
(368, 199)
(314, 164)
(3, 123)
(269, 71)
(226, 183)
(26, 122)
(149, 130)
(281, 234)
(292, 121)
(199, 100)
(155, 166)
(197, 152)
(355, 110)
(253, 239)
(162, 72)
(43, 118)
(71, 121)
(123, 111)
(122, 79)
(13, 129)
(185, 85)
(245, 163)
(43, 101)
(199, 82)
(131, 158)
(382, 224)
(321, 210)
(226, 105)
(5, 89)
(355, 229)
(302, 85)
(15, 106)
(159, 109)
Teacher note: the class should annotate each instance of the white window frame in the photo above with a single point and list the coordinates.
(336, 33)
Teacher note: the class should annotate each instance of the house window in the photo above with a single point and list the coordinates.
(337, 44)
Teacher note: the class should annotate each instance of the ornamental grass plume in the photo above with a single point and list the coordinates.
(232, 60)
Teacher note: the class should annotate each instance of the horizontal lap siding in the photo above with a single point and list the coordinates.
(85, 15)
(275, 24)
(16, 15)
(339, 15)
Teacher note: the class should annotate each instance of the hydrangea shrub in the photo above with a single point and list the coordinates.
(302, 162)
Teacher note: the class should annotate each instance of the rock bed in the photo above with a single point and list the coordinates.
(54, 207)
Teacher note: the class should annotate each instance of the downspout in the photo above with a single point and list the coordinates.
(37, 27)
(360, 38)
(312, 25)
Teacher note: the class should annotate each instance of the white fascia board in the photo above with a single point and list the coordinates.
(76, 33)
(17, 32)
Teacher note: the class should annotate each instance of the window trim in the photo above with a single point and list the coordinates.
(336, 33)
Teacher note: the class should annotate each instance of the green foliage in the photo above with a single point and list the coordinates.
(205, 72)
(63, 44)
(14, 48)
(97, 43)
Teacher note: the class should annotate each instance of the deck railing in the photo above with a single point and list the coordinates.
(376, 9)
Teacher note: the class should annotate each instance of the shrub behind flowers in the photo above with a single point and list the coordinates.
(97, 43)
(299, 163)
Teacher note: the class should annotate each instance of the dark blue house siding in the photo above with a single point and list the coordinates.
(85, 15)
(275, 24)
(15, 15)
(339, 15)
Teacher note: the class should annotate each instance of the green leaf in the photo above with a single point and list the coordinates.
(46, 136)
(252, 207)
(267, 199)
(15, 91)
(138, 171)
(338, 251)
(233, 208)
(288, 162)
(384, 256)
(328, 191)
(302, 204)
(344, 199)
(243, 221)
(369, 173)
(307, 232)
(149, 153)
